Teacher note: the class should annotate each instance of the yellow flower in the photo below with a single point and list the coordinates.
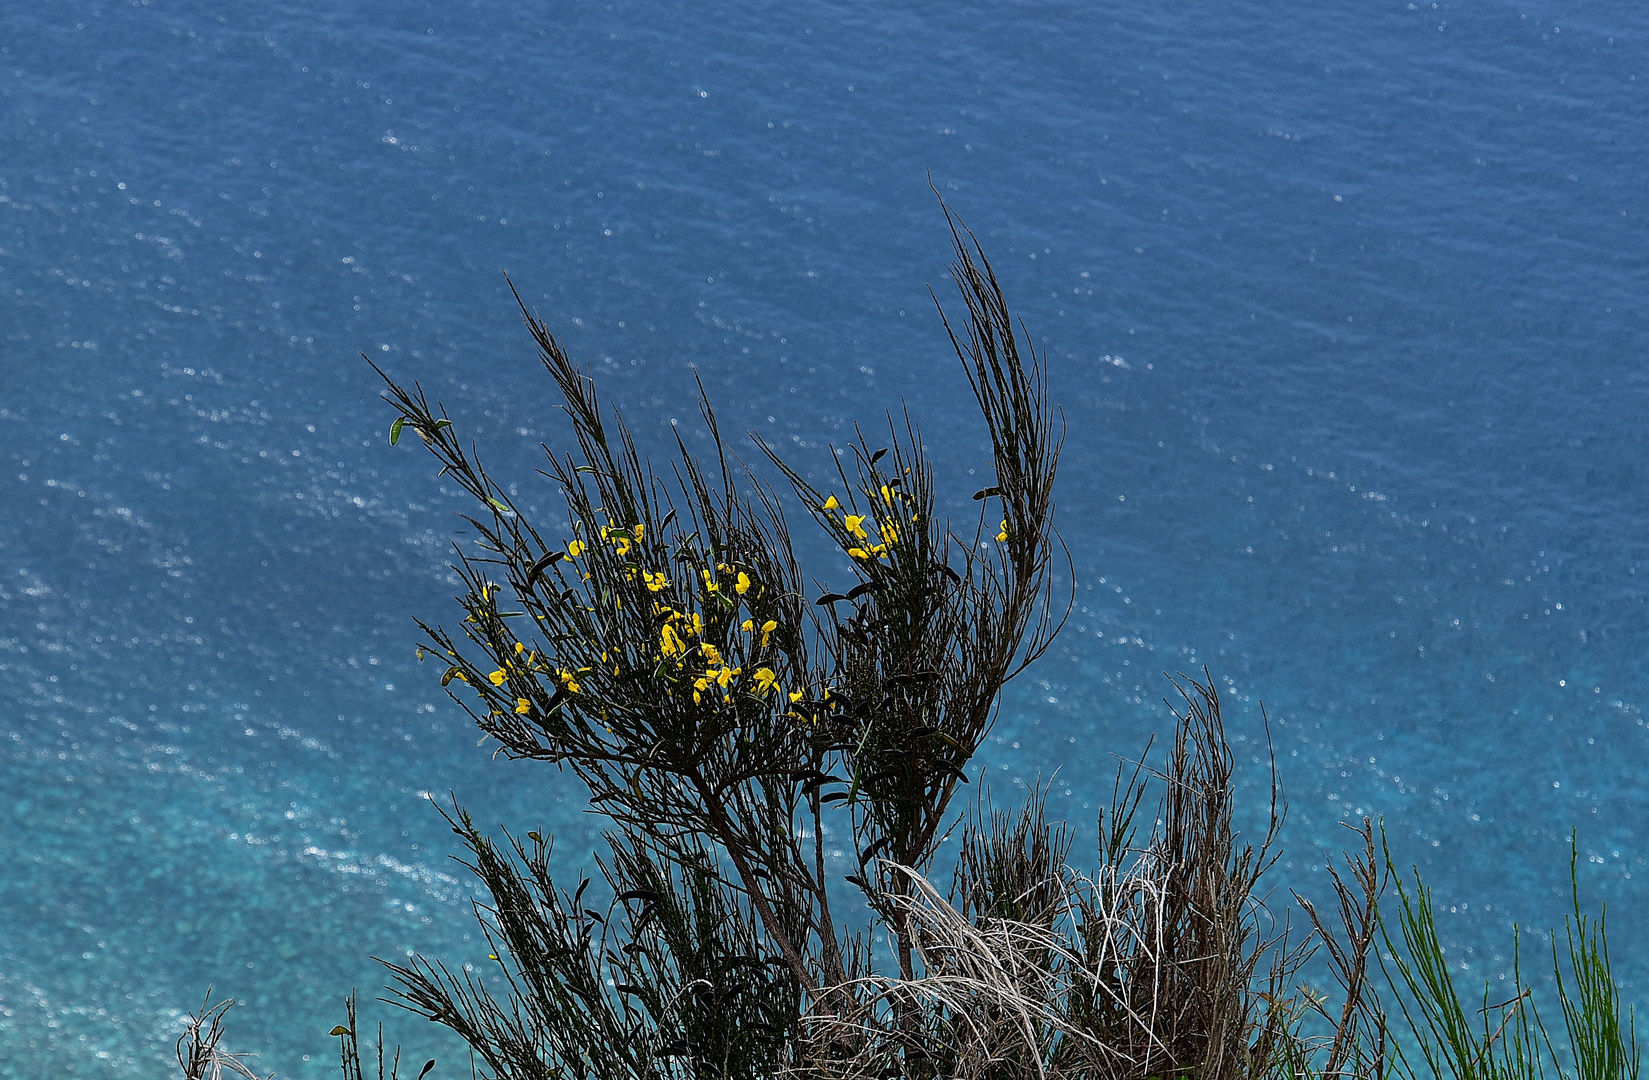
(795, 695)
(622, 546)
(748, 626)
(640, 530)
(698, 625)
(767, 629)
(669, 642)
(522, 705)
(496, 678)
(1002, 537)
(709, 585)
(744, 583)
(724, 676)
(519, 648)
(887, 494)
(856, 525)
(711, 653)
(889, 533)
(832, 504)
(858, 553)
(575, 549)
(765, 678)
(568, 680)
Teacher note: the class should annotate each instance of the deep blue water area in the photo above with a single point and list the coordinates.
(1344, 305)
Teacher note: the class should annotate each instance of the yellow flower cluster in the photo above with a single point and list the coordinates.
(767, 629)
(680, 629)
(716, 673)
(855, 524)
(619, 537)
(872, 547)
(681, 633)
(526, 662)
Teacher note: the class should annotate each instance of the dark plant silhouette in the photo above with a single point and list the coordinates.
(669, 652)
(726, 719)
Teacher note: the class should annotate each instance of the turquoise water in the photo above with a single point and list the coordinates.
(1344, 306)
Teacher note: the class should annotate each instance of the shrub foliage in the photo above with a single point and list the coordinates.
(727, 721)
(738, 730)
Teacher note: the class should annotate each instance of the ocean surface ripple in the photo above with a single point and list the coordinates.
(1343, 304)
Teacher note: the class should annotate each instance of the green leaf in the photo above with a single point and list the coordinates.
(439, 424)
(340, 1030)
(496, 505)
(395, 430)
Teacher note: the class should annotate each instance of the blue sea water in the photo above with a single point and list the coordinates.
(1344, 305)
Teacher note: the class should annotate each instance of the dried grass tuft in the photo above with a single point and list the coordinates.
(197, 1048)
(1164, 962)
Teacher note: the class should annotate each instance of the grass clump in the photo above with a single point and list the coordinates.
(1509, 1040)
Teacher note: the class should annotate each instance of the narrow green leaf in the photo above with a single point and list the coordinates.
(395, 430)
(439, 424)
